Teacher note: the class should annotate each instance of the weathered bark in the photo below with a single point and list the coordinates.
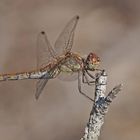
(100, 107)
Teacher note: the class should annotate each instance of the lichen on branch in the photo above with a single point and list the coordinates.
(100, 106)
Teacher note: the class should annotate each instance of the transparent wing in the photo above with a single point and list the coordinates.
(65, 40)
(40, 86)
(45, 52)
(51, 73)
(71, 76)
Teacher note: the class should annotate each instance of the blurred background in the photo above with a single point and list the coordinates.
(111, 28)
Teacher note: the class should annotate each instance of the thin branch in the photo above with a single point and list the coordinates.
(113, 93)
(100, 107)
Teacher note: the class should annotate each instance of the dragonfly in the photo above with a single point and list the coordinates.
(59, 61)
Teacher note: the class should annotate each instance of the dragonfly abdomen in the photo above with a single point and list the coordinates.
(22, 76)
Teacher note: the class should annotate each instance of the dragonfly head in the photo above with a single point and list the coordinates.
(92, 61)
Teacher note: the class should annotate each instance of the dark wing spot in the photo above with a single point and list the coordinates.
(77, 17)
(42, 32)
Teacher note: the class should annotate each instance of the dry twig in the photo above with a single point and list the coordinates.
(100, 107)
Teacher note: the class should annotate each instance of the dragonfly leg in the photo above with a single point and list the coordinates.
(99, 70)
(86, 80)
(89, 74)
(80, 88)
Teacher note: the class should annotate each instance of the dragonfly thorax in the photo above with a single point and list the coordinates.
(72, 63)
(92, 61)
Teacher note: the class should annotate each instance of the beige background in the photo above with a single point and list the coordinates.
(111, 28)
